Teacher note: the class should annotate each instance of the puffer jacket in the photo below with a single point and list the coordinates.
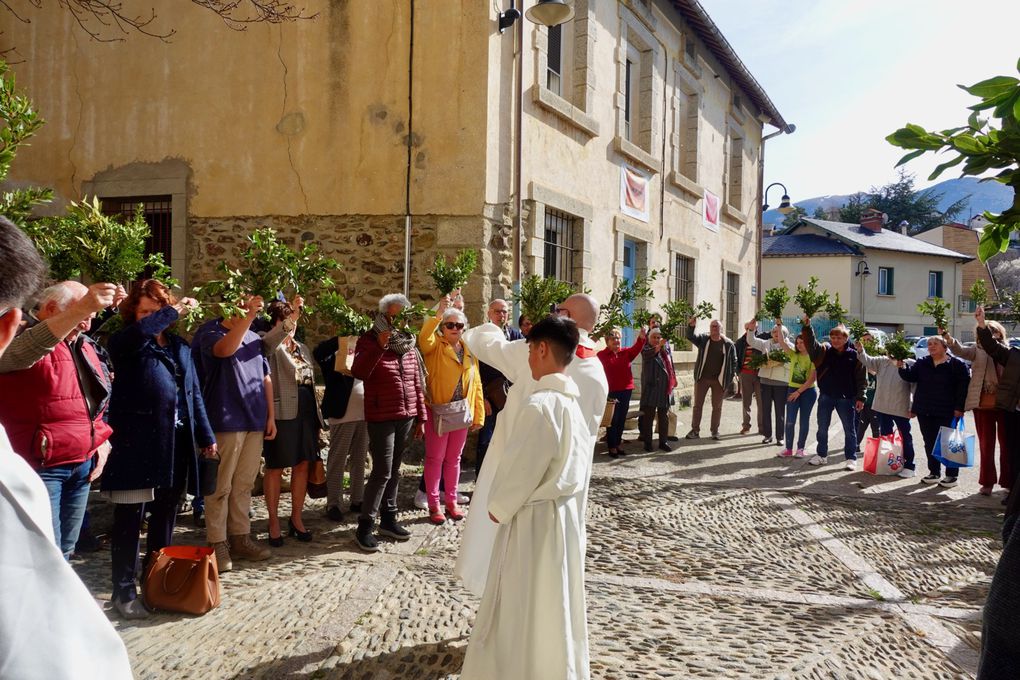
(393, 389)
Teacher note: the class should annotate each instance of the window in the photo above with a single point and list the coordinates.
(554, 65)
(687, 135)
(732, 304)
(966, 305)
(157, 213)
(934, 284)
(885, 281)
(630, 99)
(683, 279)
(559, 246)
(690, 50)
(735, 168)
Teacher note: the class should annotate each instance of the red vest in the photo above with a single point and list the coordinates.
(45, 412)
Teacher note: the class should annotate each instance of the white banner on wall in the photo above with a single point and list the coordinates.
(710, 211)
(634, 193)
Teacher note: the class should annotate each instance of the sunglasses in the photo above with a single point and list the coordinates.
(450, 325)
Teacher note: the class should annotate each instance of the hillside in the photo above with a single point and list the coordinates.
(991, 196)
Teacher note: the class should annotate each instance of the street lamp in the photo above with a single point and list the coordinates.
(784, 203)
(862, 271)
(547, 13)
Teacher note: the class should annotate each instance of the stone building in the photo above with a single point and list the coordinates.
(640, 148)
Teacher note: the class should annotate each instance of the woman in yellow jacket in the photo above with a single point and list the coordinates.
(452, 378)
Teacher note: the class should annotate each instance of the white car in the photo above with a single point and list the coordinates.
(921, 348)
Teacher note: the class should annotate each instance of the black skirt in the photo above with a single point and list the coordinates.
(297, 440)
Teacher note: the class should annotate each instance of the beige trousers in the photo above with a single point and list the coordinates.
(701, 389)
(226, 511)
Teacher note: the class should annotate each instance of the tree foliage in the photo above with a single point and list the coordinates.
(18, 122)
(448, 277)
(538, 296)
(794, 217)
(981, 147)
(902, 202)
(612, 314)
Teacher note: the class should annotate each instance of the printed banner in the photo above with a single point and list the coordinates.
(710, 211)
(634, 193)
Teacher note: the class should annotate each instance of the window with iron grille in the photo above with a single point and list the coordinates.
(732, 304)
(683, 279)
(157, 213)
(554, 65)
(559, 246)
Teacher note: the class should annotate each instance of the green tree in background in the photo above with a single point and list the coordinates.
(982, 147)
(901, 201)
(793, 218)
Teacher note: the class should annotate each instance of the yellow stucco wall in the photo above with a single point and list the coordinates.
(835, 274)
(301, 118)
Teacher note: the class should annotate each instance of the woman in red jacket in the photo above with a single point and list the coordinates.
(617, 361)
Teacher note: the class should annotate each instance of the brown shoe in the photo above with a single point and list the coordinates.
(223, 561)
(244, 548)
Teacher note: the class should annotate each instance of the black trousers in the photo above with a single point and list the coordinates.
(930, 426)
(125, 539)
(650, 414)
(386, 443)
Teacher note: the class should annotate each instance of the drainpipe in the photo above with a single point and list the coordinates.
(518, 225)
(761, 214)
(410, 138)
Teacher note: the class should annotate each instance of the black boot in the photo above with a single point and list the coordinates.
(364, 537)
(388, 527)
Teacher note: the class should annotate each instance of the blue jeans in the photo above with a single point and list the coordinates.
(614, 434)
(68, 488)
(801, 408)
(847, 416)
(885, 427)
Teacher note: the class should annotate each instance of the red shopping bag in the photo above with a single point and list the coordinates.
(883, 455)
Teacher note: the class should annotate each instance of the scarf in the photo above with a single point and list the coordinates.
(401, 343)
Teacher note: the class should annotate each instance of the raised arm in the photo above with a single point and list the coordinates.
(519, 476)
(968, 353)
(488, 343)
(428, 342)
(870, 363)
(632, 352)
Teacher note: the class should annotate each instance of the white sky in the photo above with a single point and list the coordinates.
(849, 72)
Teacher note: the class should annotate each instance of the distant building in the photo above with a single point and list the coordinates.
(963, 239)
(881, 275)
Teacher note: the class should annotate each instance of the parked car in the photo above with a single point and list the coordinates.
(1014, 342)
(881, 337)
(920, 348)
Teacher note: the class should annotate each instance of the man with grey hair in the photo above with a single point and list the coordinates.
(50, 626)
(715, 367)
(54, 389)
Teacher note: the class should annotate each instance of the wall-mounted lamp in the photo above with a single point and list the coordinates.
(544, 12)
(863, 271)
(785, 207)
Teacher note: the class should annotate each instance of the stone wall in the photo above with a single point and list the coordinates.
(371, 250)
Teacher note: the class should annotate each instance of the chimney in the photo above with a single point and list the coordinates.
(872, 220)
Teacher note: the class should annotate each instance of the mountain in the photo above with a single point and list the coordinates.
(991, 196)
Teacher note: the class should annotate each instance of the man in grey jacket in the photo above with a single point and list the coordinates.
(715, 367)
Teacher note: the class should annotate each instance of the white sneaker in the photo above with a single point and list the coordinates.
(462, 499)
(421, 501)
(948, 482)
(906, 473)
(851, 465)
(817, 460)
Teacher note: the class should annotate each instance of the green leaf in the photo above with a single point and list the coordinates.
(992, 87)
(911, 156)
(945, 166)
(991, 244)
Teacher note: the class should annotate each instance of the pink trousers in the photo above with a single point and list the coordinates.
(442, 456)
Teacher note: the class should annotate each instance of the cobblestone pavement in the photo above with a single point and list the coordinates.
(717, 560)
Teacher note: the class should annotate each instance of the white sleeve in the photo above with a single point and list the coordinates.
(518, 476)
(488, 343)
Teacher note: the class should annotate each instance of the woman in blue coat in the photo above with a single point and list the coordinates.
(159, 422)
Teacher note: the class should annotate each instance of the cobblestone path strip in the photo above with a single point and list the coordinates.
(695, 570)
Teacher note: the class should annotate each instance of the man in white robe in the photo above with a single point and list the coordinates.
(50, 626)
(532, 623)
(490, 345)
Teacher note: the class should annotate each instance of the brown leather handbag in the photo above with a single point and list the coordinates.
(183, 578)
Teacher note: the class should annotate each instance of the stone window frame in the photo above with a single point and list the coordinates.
(688, 94)
(680, 247)
(635, 33)
(734, 212)
(173, 183)
(735, 269)
(539, 197)
(627, 228)
(576, 107)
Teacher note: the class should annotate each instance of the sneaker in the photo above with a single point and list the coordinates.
(335, 513)
(948, 482)
(388, 526)
(715, 436)
(801, 453)
(693, 434)
(421, 501)
(223, 561)
(665, 446)
(930, 479)
(818, 460)
(463, 499)
(133, 609)
(851, 464)
(785, 453)
(243, 547)
(364, 538)
(906, 473)
(766, 440)
(985, 490)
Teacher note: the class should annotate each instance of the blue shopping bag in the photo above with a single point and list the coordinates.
(955, 446)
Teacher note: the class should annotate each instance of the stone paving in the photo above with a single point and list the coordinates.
(717, 560)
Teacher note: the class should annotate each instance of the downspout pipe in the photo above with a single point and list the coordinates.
(410, 138)
(788, 129)
(518, 221)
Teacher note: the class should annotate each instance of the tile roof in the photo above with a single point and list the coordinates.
(855, 235)
(786, 245)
